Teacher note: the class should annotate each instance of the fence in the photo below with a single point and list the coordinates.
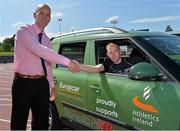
(6, 59)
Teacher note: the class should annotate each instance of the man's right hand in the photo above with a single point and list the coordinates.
(74, 66)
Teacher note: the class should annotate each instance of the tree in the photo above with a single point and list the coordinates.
(8, 44)
(1, 47)
(168, 28)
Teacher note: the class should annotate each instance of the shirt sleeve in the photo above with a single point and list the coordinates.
(49, 74)
(49, 69)
(29, 41)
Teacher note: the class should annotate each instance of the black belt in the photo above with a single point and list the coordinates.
(29, 76)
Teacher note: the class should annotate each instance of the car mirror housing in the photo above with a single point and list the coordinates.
(144, 71)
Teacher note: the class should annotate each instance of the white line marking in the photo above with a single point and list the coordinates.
(5, 120)
(5, 99)
(5, 104)
(5, 88)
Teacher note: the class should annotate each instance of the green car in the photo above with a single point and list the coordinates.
(177, 33)
(146, 97)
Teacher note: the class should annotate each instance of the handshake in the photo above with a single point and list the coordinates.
(74, 66)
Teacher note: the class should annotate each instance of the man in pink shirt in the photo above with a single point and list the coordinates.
(33, 73)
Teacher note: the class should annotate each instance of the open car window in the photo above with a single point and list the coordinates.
(129, 52)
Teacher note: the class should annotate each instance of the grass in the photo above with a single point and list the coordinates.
(6, 53)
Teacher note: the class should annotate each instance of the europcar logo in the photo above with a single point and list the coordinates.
(144, 106)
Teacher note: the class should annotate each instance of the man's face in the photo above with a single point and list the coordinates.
(113, 53)
(42, 17)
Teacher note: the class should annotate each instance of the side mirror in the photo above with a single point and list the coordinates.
(144, 72)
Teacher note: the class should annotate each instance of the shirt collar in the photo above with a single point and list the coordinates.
(36, 29)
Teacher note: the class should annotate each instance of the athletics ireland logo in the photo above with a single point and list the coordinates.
(144, 106)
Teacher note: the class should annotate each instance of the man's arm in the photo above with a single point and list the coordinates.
(92, 69)
(30, 42)
(74, 66)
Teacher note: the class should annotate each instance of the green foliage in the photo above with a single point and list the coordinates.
(168, 28)
(6, 53)
(8, 44)
(1, 47)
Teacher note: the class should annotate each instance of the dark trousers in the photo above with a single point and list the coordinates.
(30, 94)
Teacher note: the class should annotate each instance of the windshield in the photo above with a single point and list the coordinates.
(169, 45)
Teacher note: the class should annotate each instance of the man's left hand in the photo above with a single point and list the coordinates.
(52, 94)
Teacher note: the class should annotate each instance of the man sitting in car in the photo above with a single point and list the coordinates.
(115, 63)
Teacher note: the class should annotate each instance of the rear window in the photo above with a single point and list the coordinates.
(74, 51)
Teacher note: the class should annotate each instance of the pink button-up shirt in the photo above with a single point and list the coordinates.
(28, 50)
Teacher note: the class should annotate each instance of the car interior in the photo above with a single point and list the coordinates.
(128, 51)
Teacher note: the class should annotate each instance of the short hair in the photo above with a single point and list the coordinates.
(110, 45)
(42, 6)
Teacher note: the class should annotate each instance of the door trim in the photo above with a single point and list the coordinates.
(94, 114)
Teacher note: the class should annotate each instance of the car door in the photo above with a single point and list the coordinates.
(107, 94)
(118, 102)
(70, 87)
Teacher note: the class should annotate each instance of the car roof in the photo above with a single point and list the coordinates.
(174, 32)
(103, 32)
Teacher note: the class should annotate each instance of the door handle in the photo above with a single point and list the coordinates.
(55, 80)
(96, 88)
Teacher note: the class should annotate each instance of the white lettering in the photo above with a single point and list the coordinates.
(69, 87)
(109, 103)
(144, 118)
(107, 112)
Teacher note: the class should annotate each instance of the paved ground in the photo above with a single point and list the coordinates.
(6, 77)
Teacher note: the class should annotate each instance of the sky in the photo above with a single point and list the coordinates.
(154, 15)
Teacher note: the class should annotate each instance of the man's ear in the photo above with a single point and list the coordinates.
(107, 54)
(34, 15)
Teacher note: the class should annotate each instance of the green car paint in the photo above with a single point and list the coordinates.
(147, 97)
